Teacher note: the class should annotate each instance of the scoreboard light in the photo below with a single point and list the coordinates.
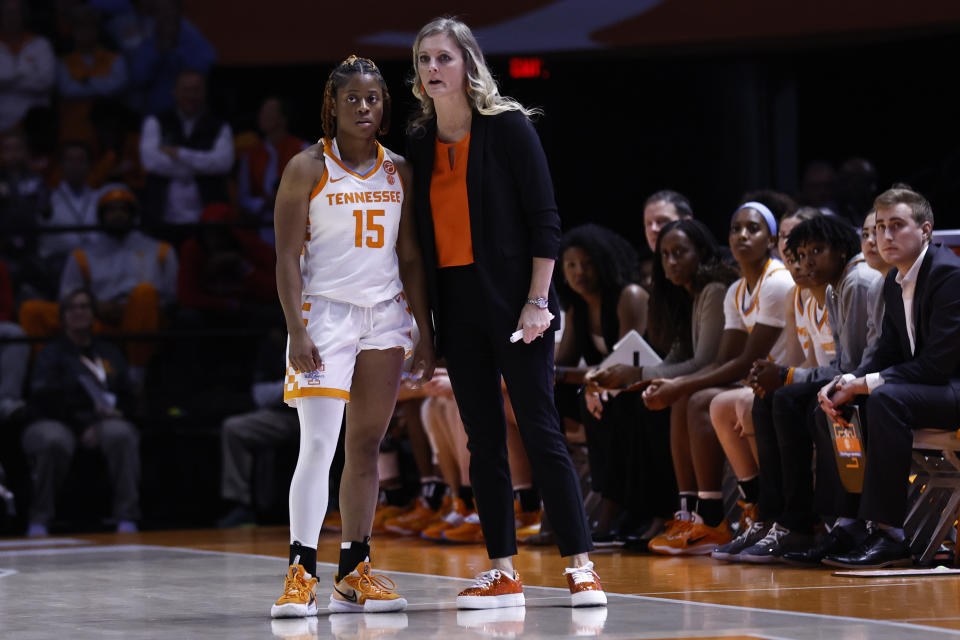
(521, 68)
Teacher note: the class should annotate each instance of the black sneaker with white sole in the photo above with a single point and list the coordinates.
(731, 551)
(778, 541)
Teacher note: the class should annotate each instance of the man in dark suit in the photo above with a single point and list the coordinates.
(912, 378)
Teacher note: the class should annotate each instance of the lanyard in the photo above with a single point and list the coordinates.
(97, 368)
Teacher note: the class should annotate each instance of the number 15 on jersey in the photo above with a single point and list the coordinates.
(374, 231)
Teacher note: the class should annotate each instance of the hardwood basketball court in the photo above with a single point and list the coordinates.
(220, 584)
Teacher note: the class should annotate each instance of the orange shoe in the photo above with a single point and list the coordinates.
(332, 521)
(299, 598)
(469, 532)
(585, 587)
(491, 590)
(362, 591)
(453, 518)
(672, 528)
(528, 524)
(695, 539)
(750, 513)
(385, 512)
(412, 522)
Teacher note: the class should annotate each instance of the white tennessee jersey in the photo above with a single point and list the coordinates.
(813, 329)
(350, 251)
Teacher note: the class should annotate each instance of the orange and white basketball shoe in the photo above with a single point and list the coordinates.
(695, 539)
(681, 520)
(527, 522)
(469, 532)
(332, 522)
(585, 587)
(412, 522)
(299, 598)
(750, 513)
(385, 512)
(491, 590)
(453, 518)
(362, 591)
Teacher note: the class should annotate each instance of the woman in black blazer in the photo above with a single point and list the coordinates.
(490, 231)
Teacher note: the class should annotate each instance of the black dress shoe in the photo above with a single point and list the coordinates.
(837, 542)
(608, 538)
(879, 550)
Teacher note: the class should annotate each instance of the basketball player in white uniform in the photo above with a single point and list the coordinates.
(350, 281)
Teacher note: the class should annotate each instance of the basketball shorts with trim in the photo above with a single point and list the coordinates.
(340, 331)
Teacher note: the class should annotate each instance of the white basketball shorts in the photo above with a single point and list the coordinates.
(341, 331)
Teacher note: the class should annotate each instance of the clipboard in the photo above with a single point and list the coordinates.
(631, 350)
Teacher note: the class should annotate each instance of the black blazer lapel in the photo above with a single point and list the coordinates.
(423, 150)
(478, 132)
(894, 304)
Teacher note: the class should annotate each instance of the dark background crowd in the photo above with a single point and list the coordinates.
(137, 177)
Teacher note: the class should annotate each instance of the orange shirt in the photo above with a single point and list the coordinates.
(450, 206)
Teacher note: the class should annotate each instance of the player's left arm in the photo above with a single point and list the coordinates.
(412, 274)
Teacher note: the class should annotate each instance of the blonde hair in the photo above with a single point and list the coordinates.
(482, 90)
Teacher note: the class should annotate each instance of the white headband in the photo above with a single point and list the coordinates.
(763, 210)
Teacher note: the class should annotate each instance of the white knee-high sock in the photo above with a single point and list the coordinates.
(320, 420)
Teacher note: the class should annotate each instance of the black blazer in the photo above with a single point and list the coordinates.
(513, 214)
(936, 313)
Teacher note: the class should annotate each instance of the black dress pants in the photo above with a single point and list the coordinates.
(478, 352)
(786, 411)
(892, 412)
(630, 462)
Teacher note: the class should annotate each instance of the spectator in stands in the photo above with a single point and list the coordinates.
(13, 355)
(912, 378)
(23, 201)
(90, 71)
(27, 66)
(247, 436)
(129, 26)
(116, 154)
(818, 187)
(595, 278)
(81, 394)
(660, 209)
(132, 275)
(868, 245)
(172, 46)
(72, 204)
(187, 153)
(754, 316)
(224, 269)
(690, 279)
(856, 188)
(258, 174)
